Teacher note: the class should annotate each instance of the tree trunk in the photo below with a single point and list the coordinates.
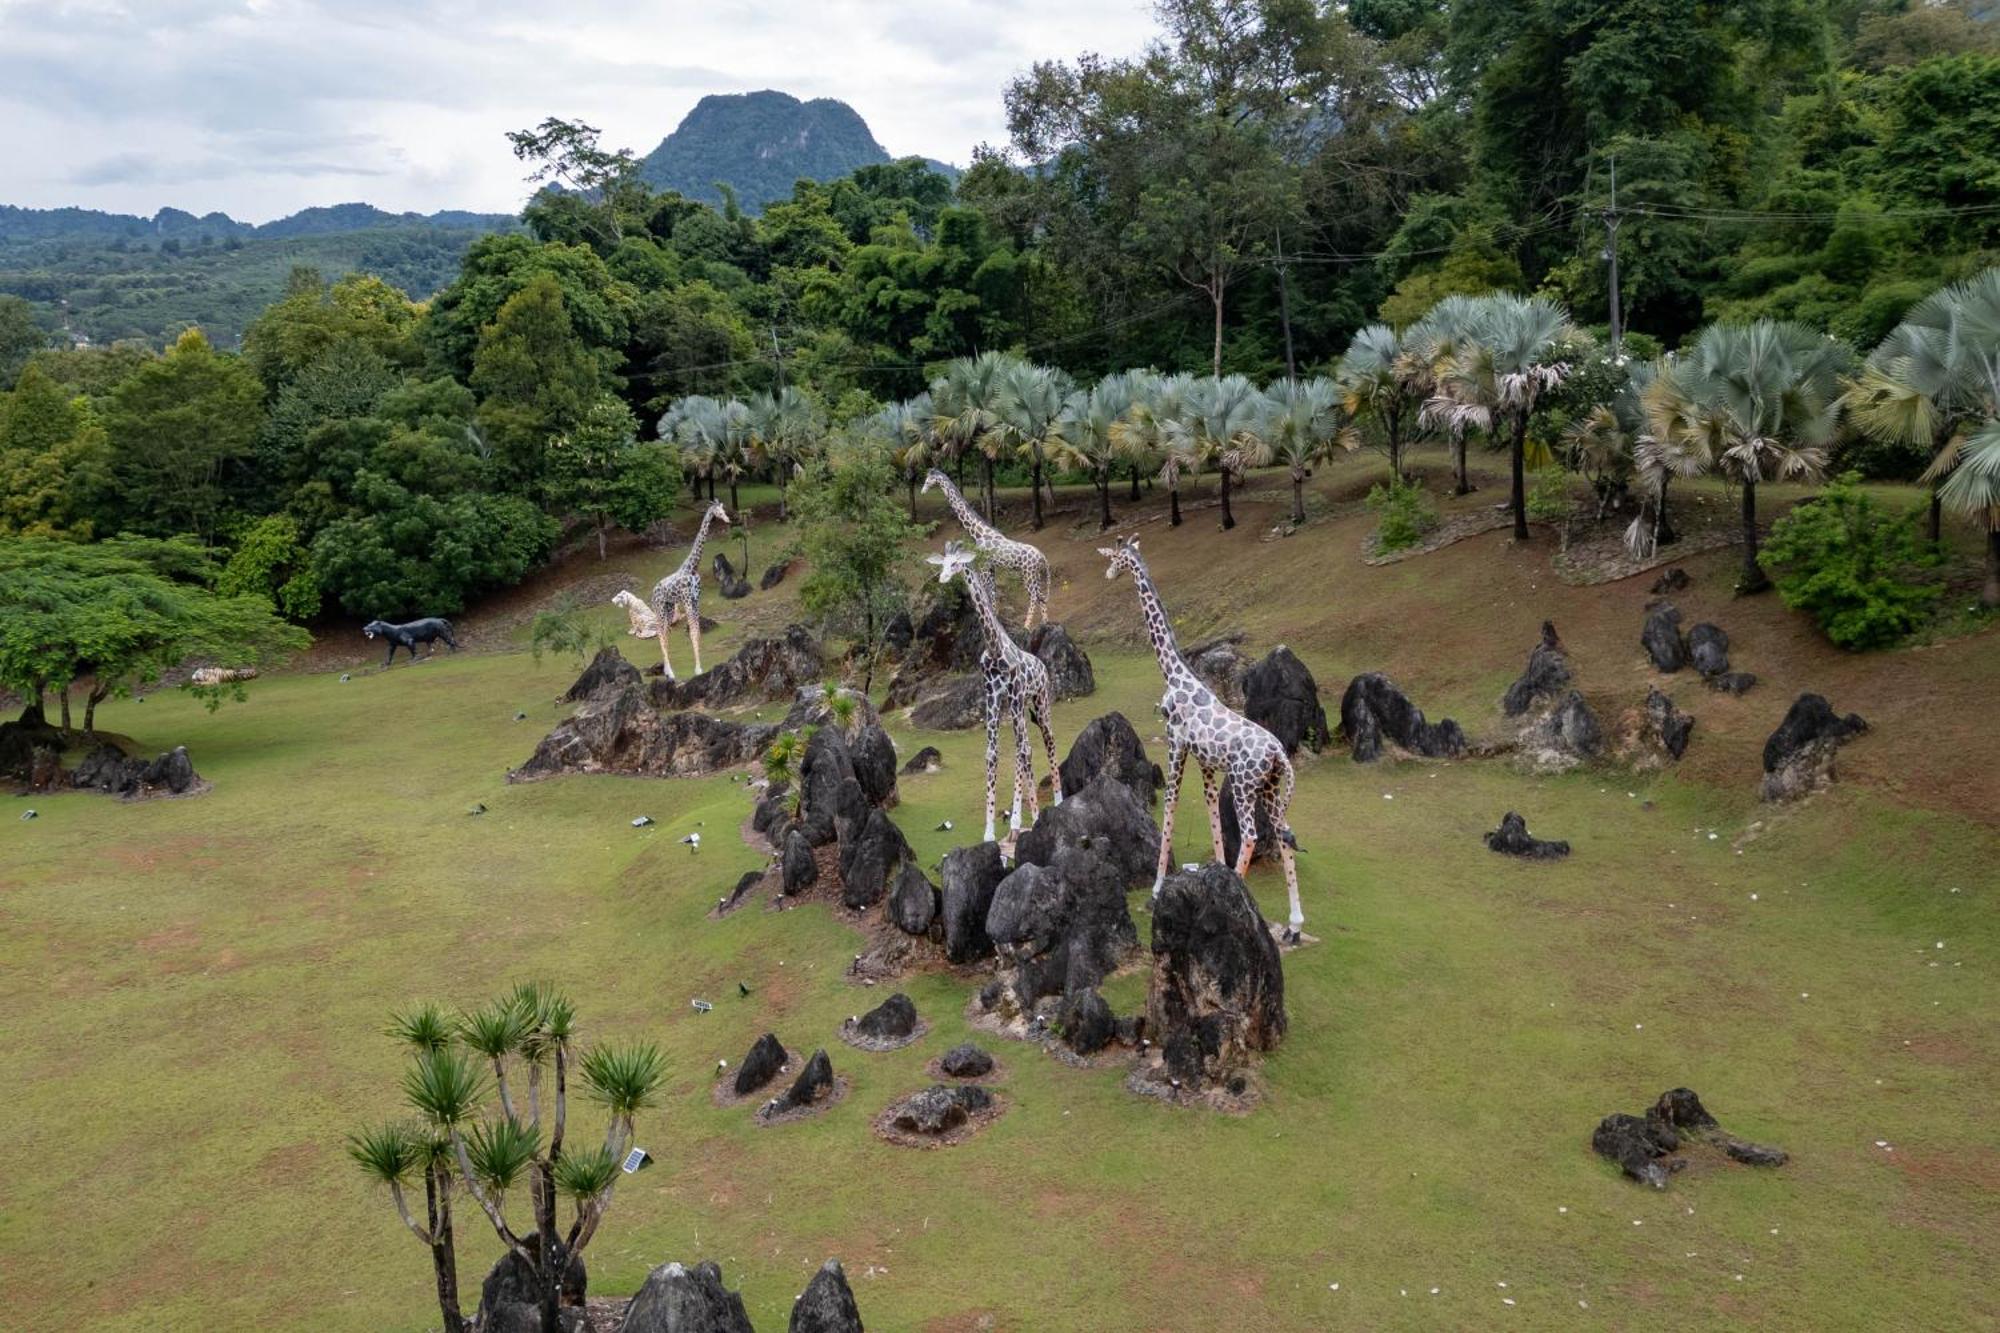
(65, 706)
(1215, 291)
(1228, 518)
(601, 552)
(1104, 500)
(735, 505)
(986, 484)
(1989, 596)
(443, 1261)
(1135, 484)
(1937, 516)
(90, 702)
(1035, 485)
(868, 671)
(711, 488)
(783, 514)
(1663, 524)
(1753, 573)
(1520, 500)
(1464, 484)
(1298, 498)
(1174, 505)
(913, 499)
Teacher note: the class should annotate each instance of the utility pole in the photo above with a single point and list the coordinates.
(1285, 310)
(1612, 219)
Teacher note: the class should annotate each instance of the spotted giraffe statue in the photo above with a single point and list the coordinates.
(1224, 743)
(1016, 682)
(675, 596)
(1002, 552)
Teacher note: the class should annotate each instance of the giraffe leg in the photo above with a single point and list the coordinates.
(1024, 770)
(666, 658)
(1049, 743)
(1246, 826)
(694, 625)
(1212, 797)
(1279, 803)
(1176, 762)
(992, 750)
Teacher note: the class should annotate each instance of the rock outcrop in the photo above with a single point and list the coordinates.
(893, 1020)
(1218, 988)
(1661, 638)
(1102, 818)
(872, 856)
(926, 760)
(814, 1084)
(913, 901)
(1108, 744)
(608, 668)
(1674, 580)
(762, 671)
(966, 1061)
(109, 769)
(956, 705)
(774, 575)
(967, 878)
(939, 1109)
(1643, 1146)
(1221, 665)
(1280, 695)
(1543, 680)
(728, 582)
(677, 1299)
(827, 1304)
(798, 868)
(764, 1062)
(617, 730)
(1070, 674)
(832, 802)
(1656, 733)
(1513, 839)
(1566, 735)
(1060, 929)
(1798, 757)
(511, 1296)
(1375, 715)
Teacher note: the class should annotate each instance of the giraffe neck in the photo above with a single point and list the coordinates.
(700, 537)
(1159, 629)
(997, 637)
(981, 531)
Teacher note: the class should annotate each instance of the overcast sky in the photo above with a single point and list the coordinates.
(259, 108)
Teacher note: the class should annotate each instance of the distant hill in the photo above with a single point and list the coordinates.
(759, 144)
(106, 276)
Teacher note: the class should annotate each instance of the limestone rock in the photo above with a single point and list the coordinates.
(1563, 737)
(762, 671)
(814, 1083)
(608, 668)
(1374, 713)
(831, 798)
(761, 1065)
(798, 868)
(1674, 580)
(1109, 744)
(1087, 1022)
(827, 1304)
(913, 900)
(892, 1020)
(1708, 649)
(1661, 638)
(1546, 674)
(899, 634)
(1103, 817)
(968, 877)
(966, 1061)
(727, 581)
(1655, 734)
(870, 858)
(939, 1109)
(1798, 757)
(956, 705)
(874, 758)
(1221, 665)
(1070, 676)
(1280, 695)
(774, 575)
(1218, 988)
(1513, 839)
(617, 730)
(1061, 928)
(926, 760)
(511, 1296)
(676, 1299)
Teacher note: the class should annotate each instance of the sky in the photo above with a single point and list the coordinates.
(258, 108)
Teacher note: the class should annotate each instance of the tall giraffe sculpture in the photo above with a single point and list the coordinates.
(676, 595)
(1016, 681)
(1002, 551)
(1223, 742)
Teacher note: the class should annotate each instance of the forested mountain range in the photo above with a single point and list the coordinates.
(758, 144)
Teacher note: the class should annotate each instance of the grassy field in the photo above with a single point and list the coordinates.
(193, 992)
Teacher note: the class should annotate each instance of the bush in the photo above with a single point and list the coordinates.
(1406, 514)
(566, 628)
(1548, 499)
(1854, 567)
(271, 561)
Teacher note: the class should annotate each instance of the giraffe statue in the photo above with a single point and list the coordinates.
(1016, 681)
(1224, 743)
(675, 596)
(1002, 552)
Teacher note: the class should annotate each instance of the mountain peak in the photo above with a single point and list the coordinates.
(759, 143)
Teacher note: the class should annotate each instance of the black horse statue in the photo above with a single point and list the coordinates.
(428, 630)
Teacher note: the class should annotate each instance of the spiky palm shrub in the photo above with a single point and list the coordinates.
(1428, 349)
(1383, 384)
(517, 1050)
(1302, 428)
(780, 428)
(1089, 440)
(1146, 435)
(1031, 419)
(966, 400)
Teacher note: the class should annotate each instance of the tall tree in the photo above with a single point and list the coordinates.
(1302, 428)
(1031, 419)
(176, 425)
(535, 378)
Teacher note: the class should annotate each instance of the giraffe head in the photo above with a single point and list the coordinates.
(717, 512)
(935, 477)
(956, 560)
(1124, 557)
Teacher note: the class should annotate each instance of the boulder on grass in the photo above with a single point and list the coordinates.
(1674, 580)
(1102, 817)
(1798, 757)
(895, 1019)
(967, 878)
(966, 1061)
(727, 581)
(874, 758)
(608, 668)
(1108, 744)
(774, 575)
(1563, 737)
(676, 1299)
(762, 671)
(814, 1084)
(1280, 695)
(1655, 734)
(798, 868)
(913, 901)
(1661, 638)
(1668, 723)
(1070, 676)
(763, 1063)
(1513, 839)
(827, 1304)
(511, 1296)
(1221, 665)
(1708, 649)
(870, 858)
(939, 1109)
(956, 705)
(1547, 673)
(617, 730)
(1640, 1145)
(1088, 1025)
(926, 760)
(1061, 928)
(1218, 988)
(109, 769)
(831, 798)
(1374, 714)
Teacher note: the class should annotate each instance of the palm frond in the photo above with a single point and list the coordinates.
(624, 1078)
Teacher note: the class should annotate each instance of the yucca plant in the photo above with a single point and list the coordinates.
(461, 1143)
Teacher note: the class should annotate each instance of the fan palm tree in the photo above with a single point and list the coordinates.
(1428, 347)
(781, 427)
(701, 428)
(1302, 427)
(1145, 436)
(1031, 418)
(1381, 382)
(905, 428)
(966, 400)
(1089, 439)
(1222, 424)
(1509, 353)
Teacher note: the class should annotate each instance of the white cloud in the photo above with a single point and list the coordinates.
(261, 107)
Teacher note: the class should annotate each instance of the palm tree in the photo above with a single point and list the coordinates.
(1090, 434)
(781, 427)
(905, 428)
(1031, 418)
(1380, 381)
(966, 400)
(1222, 424)
(701, 428)
(1145, 436)
(1510, 352)
(1755, 401)
(1428, 348)
(1302, 426)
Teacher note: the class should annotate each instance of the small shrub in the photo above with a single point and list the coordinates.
(781, 761)
(271, 561)
(842, 706)
(1406, 514)
(566, 629)
(1548, 499)
(1854, 567)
